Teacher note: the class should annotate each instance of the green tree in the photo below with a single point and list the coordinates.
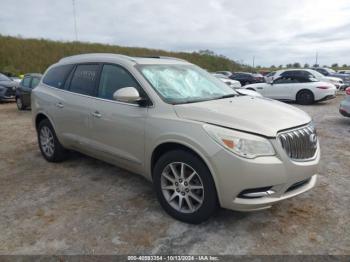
(306, 65)
(335, 65)
(296, 65)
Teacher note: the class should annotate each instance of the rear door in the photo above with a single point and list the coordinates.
(75, 104)
(118, 128)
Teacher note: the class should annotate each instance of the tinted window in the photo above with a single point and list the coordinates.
(26, 82)
(56, 76)
(84, 79)
(285, 80)
(113, 78)
(35, 82)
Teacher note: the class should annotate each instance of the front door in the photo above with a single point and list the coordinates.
(118, 129)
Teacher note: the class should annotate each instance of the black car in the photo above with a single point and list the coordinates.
(247, 78)
(24, 90)
(7, 88)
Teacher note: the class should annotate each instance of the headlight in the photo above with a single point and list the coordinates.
(242, 144)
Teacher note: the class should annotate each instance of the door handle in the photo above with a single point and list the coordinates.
(96, 114)
(259, 88)
(59, 105)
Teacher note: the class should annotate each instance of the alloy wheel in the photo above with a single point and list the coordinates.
(47, 141)
(182, 187)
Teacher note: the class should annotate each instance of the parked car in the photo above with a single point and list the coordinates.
(345, 104)
(225, 73)
(232, 83)
(331, 73)
(247, 78)
(344, 72)
(201, 143)
(308, 73)
(303, 90)
(7, 88)
(237, 86)
(16, 79)
(24, 90)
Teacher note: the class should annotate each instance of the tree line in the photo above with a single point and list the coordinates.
(20, 56)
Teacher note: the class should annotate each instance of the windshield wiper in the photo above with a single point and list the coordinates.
(227, 96)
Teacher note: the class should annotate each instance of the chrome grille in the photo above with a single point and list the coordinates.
(300, 143)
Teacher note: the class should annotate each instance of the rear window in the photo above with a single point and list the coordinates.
(56, 76)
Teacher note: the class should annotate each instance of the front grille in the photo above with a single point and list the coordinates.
(300, 143)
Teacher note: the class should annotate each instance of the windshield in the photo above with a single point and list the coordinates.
(316, 74)
(178, 84)
(4, 78)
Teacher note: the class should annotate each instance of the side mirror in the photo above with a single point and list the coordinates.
(127, 95)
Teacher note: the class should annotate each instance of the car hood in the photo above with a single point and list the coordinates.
(251, 114)
(9, 83)
(337, 79)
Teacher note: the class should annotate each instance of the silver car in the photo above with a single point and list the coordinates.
(345, 104)
(202, 144)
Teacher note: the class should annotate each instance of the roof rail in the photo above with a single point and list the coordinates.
(94, 54)
(163, 57)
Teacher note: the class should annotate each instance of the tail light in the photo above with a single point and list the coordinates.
(323, 87)
(347, 91)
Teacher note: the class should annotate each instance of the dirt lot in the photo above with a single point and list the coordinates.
(84, 206)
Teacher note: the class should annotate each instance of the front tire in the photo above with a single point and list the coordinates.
(305, 98)
(20, 104)
(50, 147)
(185, 187)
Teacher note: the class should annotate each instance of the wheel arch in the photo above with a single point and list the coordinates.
(167, 146)
(304, 90)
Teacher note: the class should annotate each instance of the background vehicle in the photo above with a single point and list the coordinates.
(302, 89)
(7, 88)
(24, 90)
(230, 82)
(344, 72)
(199, 142)
(16, 79)
(345, 104)
(247, 78)
(237, 86)
(332, 73)
(308, 73)
(225, 73)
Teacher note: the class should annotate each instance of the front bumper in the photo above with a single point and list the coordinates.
(277, 173)
(7, 94)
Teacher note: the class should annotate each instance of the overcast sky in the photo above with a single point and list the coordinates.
(274, 31)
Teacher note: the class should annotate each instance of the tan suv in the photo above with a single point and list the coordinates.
(201, 144)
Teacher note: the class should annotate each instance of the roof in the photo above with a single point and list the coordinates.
(109, 57)
(34, 74)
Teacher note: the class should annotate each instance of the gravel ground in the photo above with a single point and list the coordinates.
(85, 206)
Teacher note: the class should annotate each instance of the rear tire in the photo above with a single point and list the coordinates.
(50, 147)
(189, 193)
(305, 97)
(20, 104)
